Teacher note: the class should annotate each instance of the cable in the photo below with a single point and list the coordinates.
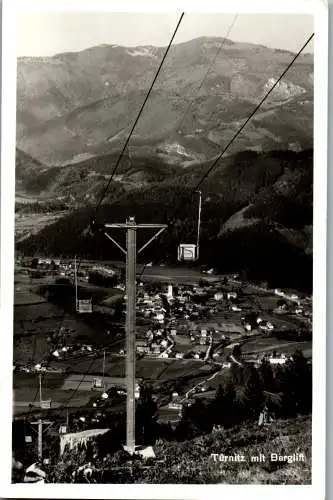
(37, 388)
(139, 114)
(63, 406)
(251, 115)
(131, 132)
(120, 158)
(208, 70)
(190, 104)
(206, 174)
(213, 165)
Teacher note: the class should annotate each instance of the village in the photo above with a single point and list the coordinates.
(214, 322)
(189, 334)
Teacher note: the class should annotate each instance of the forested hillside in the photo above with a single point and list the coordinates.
(256, 218)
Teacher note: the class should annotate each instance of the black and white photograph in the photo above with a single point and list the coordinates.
(163, 247)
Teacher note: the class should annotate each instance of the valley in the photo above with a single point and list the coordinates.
(220, 349)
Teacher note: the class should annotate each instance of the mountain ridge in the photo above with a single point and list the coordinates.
(85, 102)
(272, 190)
(75, 112)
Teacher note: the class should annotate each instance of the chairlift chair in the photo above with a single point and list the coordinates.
(187, 252)
(82, 305)
(190, 252)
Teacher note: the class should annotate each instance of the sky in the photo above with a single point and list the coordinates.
(49, 33)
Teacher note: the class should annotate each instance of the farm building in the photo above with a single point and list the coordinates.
(75, 438)
(277, 361)
(90, 381)
(175, 404)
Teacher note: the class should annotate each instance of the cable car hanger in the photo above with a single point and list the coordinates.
(189, 252)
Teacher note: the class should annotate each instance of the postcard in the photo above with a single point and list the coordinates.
(163, 249)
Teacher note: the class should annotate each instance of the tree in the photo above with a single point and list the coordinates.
(237, 352)
(224, 408)
(34, 263)
(249, 394)
(282, 385)
(266, 376)
(300, 383)
(230, 406)
(196, 419)
(217, 406)
(53, 265)
(236, 375)
(146, 416)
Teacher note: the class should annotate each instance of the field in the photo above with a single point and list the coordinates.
(28, 224)
(35, 323)
(271, 343)
(35, 319)
(62, 387)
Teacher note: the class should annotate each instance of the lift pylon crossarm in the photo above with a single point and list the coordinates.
(132, 225)
(163, 228)
(115, 242)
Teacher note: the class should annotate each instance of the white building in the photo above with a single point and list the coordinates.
(266, 325)
(160, 317)
(175, 405)
(277, 361)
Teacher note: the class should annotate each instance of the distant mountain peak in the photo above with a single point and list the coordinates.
(141, 52)
(83, 103)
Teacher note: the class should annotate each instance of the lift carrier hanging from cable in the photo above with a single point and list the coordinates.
(81, 305)
(189, 252)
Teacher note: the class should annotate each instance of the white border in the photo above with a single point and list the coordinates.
(317, 489)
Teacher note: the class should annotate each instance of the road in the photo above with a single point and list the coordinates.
(179, 275)
(174, 274)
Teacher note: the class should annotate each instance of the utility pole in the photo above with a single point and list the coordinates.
(40, 389)
(67, 422)
(199, 223)
(75, 277)
(104, 369)
(131, 253)
(40, 424)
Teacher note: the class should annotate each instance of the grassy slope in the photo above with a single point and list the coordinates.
(190, 462)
